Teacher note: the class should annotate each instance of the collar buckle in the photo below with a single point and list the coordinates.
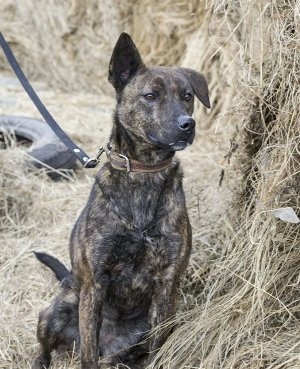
(128, 168)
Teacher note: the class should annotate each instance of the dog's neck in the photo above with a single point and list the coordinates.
(125, 143)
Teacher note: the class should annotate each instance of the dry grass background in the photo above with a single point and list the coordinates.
(240, 297)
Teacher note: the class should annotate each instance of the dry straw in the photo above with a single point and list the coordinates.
(248, 310)
(240, 298)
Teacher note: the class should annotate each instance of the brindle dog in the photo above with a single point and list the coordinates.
(132, 241)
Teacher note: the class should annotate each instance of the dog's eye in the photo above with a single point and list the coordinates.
(149, 97)
(187, 97)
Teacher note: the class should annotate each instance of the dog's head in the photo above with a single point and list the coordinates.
(155, 103)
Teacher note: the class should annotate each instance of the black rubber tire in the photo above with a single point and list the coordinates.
(46, 146)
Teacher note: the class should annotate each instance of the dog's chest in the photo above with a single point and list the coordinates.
(136, 264)
(139, 243)
(141, 200)
(138, 206)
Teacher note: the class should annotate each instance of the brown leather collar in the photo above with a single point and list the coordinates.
(122, 162)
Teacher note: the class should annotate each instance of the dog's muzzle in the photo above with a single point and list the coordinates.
(176, 142)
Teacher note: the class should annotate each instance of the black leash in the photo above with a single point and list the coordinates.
(88, 162)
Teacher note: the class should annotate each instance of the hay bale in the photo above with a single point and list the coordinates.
(66, 44)
(164, 36)
(248, 310)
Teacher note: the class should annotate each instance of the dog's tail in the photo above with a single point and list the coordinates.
(61, 272)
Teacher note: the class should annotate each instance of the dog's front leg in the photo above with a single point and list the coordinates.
(162, 309)
(90, 320)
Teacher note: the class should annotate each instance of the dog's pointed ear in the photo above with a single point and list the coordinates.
(125, 61)
(199, 85)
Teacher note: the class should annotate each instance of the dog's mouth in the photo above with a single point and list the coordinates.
(179, 145)
(174, 145)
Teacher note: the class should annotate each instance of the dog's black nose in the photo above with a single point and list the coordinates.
(186, 123)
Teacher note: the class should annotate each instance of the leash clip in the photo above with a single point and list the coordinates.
(94, 160)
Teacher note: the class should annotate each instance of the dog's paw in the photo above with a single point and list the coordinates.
(40, 362)
(37, 364)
